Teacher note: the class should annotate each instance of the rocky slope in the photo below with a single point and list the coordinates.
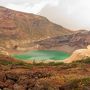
(67, 43)
(79, 54)
(19, 29)
(51, 76)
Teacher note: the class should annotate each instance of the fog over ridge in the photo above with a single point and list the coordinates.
(72, 14)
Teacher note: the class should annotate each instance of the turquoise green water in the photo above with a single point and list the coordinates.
(42, 55)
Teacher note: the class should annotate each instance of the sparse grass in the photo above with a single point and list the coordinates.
(76, 84)
(87, 61)
(5, 62)
(53, 75)
(63, 65)
(60, 65)
(48, 64)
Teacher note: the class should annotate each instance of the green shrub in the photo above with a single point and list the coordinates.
(86, 61)
(3, 62)
(77, 84)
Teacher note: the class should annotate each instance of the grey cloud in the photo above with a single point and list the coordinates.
(73, 14)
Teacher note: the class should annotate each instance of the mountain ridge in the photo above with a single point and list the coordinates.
(67, 43)
(16, 26)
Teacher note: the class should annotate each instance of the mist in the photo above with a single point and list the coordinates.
(72, 14)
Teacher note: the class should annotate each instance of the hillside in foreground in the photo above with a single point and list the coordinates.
(16, 75)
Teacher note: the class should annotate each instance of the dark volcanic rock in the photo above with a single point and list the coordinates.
(12, 76)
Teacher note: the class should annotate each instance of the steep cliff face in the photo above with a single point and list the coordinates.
(67, 43)
(16, 26)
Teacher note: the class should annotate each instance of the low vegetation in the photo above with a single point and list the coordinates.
(16, 75)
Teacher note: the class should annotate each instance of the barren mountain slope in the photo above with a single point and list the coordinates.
(17, 28)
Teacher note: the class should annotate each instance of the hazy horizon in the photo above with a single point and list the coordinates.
(72, 14)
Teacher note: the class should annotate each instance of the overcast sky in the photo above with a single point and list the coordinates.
(73, 14)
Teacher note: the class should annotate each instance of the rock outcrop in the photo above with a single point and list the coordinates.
(67, 43)
(80, 54)
(3, 51)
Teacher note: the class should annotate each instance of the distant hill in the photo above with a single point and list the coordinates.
(19, 29)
